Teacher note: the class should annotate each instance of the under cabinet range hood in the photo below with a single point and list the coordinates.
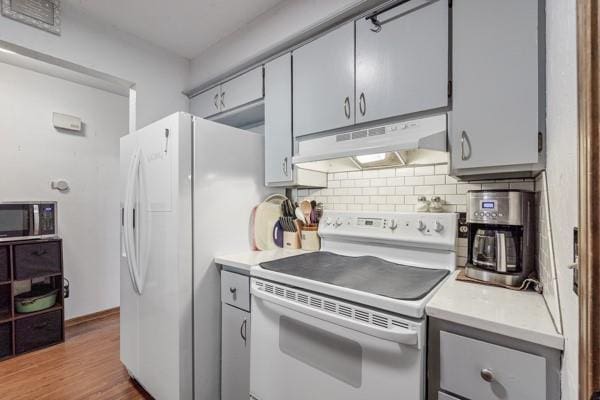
(417, 141)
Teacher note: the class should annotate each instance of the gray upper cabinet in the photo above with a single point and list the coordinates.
(278, 120)
(206, 103)
(323, 79)
(403, 67)
(243, 89)
(498, 96)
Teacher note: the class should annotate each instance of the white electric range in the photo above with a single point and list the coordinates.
(348, 322)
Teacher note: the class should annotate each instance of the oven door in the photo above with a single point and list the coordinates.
(301, 352)
(17, 220)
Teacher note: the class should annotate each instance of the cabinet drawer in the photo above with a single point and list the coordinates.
(38, 331)
(235, 290)
(511, 374)
(242, 89)
(37, 259)
(4, 264)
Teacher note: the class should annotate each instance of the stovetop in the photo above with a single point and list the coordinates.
(365, 273)
(389, 261)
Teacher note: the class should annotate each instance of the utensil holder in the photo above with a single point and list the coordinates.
(309, 237)
(291, 240)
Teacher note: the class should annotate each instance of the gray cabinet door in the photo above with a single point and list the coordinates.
(494, 121)
(323, 79)
(235, 354)
(402, 68)
(206, 103)
(243, 89)
(278, 121)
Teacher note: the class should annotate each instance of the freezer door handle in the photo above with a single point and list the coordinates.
(394, 334)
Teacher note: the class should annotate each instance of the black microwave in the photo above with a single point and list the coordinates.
(27, 220)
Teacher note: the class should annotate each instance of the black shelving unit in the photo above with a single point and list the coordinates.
(25, 261)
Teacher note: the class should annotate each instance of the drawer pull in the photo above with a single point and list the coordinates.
(41, 326)
(39, 253)
(487, 375)
(232, 290)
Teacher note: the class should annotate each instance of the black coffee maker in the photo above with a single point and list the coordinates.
(501, 236)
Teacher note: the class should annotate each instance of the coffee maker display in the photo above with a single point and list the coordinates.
(501, 236)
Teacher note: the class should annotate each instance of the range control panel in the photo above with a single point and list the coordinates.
(430, 228)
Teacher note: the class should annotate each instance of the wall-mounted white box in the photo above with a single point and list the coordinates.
(64, 121)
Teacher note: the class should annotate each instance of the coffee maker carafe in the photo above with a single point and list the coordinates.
(501, 241)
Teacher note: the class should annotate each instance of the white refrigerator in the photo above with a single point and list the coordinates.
(187, 190)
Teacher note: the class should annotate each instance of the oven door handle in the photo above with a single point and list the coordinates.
(395, 334)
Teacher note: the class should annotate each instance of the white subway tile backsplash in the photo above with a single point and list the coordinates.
(424, 190)
(441, 169)
(405, 171)
(370, 173)
(445, 189)
(355, 175)
(426, 170)
(399, 188)
(435, 180)
(405, 190)
(379, 182)
(398, 181)
(387, 190)
(414, 180)
(386, 173)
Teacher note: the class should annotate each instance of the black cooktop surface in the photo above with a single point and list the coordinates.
(366, 273)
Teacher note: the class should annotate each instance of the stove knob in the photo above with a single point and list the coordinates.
(339, 221)
(421, 226)
(393, 225)
(328, 221)
(438, 227)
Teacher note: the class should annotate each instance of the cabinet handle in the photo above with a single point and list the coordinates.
(487, 375)
(243, 331)
(347, 107)
(39, 253)
(284, 166)
(464, 140)
(222, 100)
(217, 101)
(362, 104)
(232, 290)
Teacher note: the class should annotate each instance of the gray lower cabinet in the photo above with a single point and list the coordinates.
(278, 121)
(468, 363)
(498, 109)
(235, 335)
(323, 79)
(402, 68)
(235, 353)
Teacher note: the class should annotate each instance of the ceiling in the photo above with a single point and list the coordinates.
(185, 27)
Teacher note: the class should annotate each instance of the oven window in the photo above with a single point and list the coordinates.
(334, 355)
(14, 220)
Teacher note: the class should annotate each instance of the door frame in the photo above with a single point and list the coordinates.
(588, 49)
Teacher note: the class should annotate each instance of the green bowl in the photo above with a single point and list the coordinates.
(40, 298)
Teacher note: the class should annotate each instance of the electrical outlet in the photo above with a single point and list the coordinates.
(462, 226)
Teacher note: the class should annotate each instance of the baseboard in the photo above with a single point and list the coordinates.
(91, 317)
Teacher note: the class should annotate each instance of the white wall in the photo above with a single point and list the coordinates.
(32, 153)
(562, 168)
(272, 28)
(160, 76)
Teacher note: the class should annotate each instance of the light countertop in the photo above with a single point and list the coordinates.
(242, 262)
(518, 314)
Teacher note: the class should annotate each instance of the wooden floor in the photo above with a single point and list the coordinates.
(86, 366)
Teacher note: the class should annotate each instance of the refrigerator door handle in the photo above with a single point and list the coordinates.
(129, 228)
(144, 225)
